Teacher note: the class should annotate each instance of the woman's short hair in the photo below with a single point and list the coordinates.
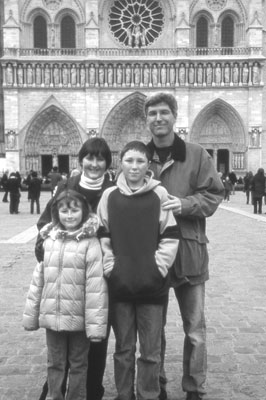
(69, 197)
(161, 97)
(138, 146)
(96, 147)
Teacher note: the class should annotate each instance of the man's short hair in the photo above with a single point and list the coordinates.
(161, 97)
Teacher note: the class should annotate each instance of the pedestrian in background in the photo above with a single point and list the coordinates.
(258, 190)
(68, 294)
(94, 158)
(14, 187)
(195, 190)
(247, 186)
(139, 242)
(4, 180)
(233, 179)
(55, 177)
(228, 187)
(34, 192)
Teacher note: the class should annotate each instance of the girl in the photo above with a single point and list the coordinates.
(68, 294)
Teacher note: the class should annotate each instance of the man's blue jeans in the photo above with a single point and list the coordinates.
(191, 300)
(62, 347)
(128, 319)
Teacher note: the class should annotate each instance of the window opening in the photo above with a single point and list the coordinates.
(227, 32)
(40, 33)
(68, 33)
(202, 32)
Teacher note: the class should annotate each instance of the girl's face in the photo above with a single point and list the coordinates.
(134, 165)
(93, 166)
(70, 215)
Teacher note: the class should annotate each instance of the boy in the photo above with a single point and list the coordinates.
(139, 242)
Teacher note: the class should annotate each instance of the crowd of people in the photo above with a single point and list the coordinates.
(108, 251)
(254, 186)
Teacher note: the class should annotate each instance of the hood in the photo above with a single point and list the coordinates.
(88, 229)
(149, 184)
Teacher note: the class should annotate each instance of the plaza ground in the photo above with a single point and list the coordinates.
(235, 309)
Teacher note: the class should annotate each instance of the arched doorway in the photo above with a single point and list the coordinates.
(125, 122)
(220, 130)
(52, 139)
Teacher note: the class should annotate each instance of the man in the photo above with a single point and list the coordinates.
(187, 172)
(55, 177)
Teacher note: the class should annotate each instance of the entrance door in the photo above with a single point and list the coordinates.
(47, 164)
(223, 161)
(63, 163)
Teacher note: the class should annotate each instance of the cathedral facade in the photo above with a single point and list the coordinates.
(73, 69)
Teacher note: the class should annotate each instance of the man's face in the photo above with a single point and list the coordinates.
(160, 120)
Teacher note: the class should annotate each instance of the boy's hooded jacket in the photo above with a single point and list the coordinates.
(139, 241)
(68, 291)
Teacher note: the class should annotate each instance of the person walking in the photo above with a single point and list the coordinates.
(139, 243)
(94, 158)
(34, 192)
(233, 180)
(13, 187)
(195, 189)
(258, 190)
(228, 186)
(4, 186)
(247, 186)
(68, 294)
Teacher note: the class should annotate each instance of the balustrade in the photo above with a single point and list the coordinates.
(113, 75)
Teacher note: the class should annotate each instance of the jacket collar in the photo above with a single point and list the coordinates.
(178, 149)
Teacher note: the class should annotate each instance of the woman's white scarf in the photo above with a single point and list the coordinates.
(91, 184)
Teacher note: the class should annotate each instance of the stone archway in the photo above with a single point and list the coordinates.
(125, 122)
(219, 127)
(51, 133)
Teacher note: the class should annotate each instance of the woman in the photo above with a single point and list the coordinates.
(95, 158)
(13, 187)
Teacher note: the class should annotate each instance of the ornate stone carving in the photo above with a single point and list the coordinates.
(254, 137)
(52, 4)
(216, 5)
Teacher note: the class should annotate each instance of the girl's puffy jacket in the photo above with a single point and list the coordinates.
(68, 291)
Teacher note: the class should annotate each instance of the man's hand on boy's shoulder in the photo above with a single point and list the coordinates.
(173, 203)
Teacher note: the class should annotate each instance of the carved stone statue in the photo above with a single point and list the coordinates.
(65, 75)
(20, 75)
(182, 74)
(255, 74)
(218, 74)
(163, 75)
(137, 75)
(56, 75)
(128, 74)
(200, 74)
(191, 74)
(110, 75)
(245, 75)
(92, 74)
(235, 74)
(154, 75)
(209, 74)
(227, 74)
(73, 73)
(146, 75)
(172, 75)
(38, 75)
(82, 76)
(47, 75)
(119, 74)
(29, 75)
(101, 74)
(9, 74)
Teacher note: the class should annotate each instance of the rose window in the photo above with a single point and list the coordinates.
(136, 23)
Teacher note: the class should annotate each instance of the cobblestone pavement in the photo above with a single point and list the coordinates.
(235, 309)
